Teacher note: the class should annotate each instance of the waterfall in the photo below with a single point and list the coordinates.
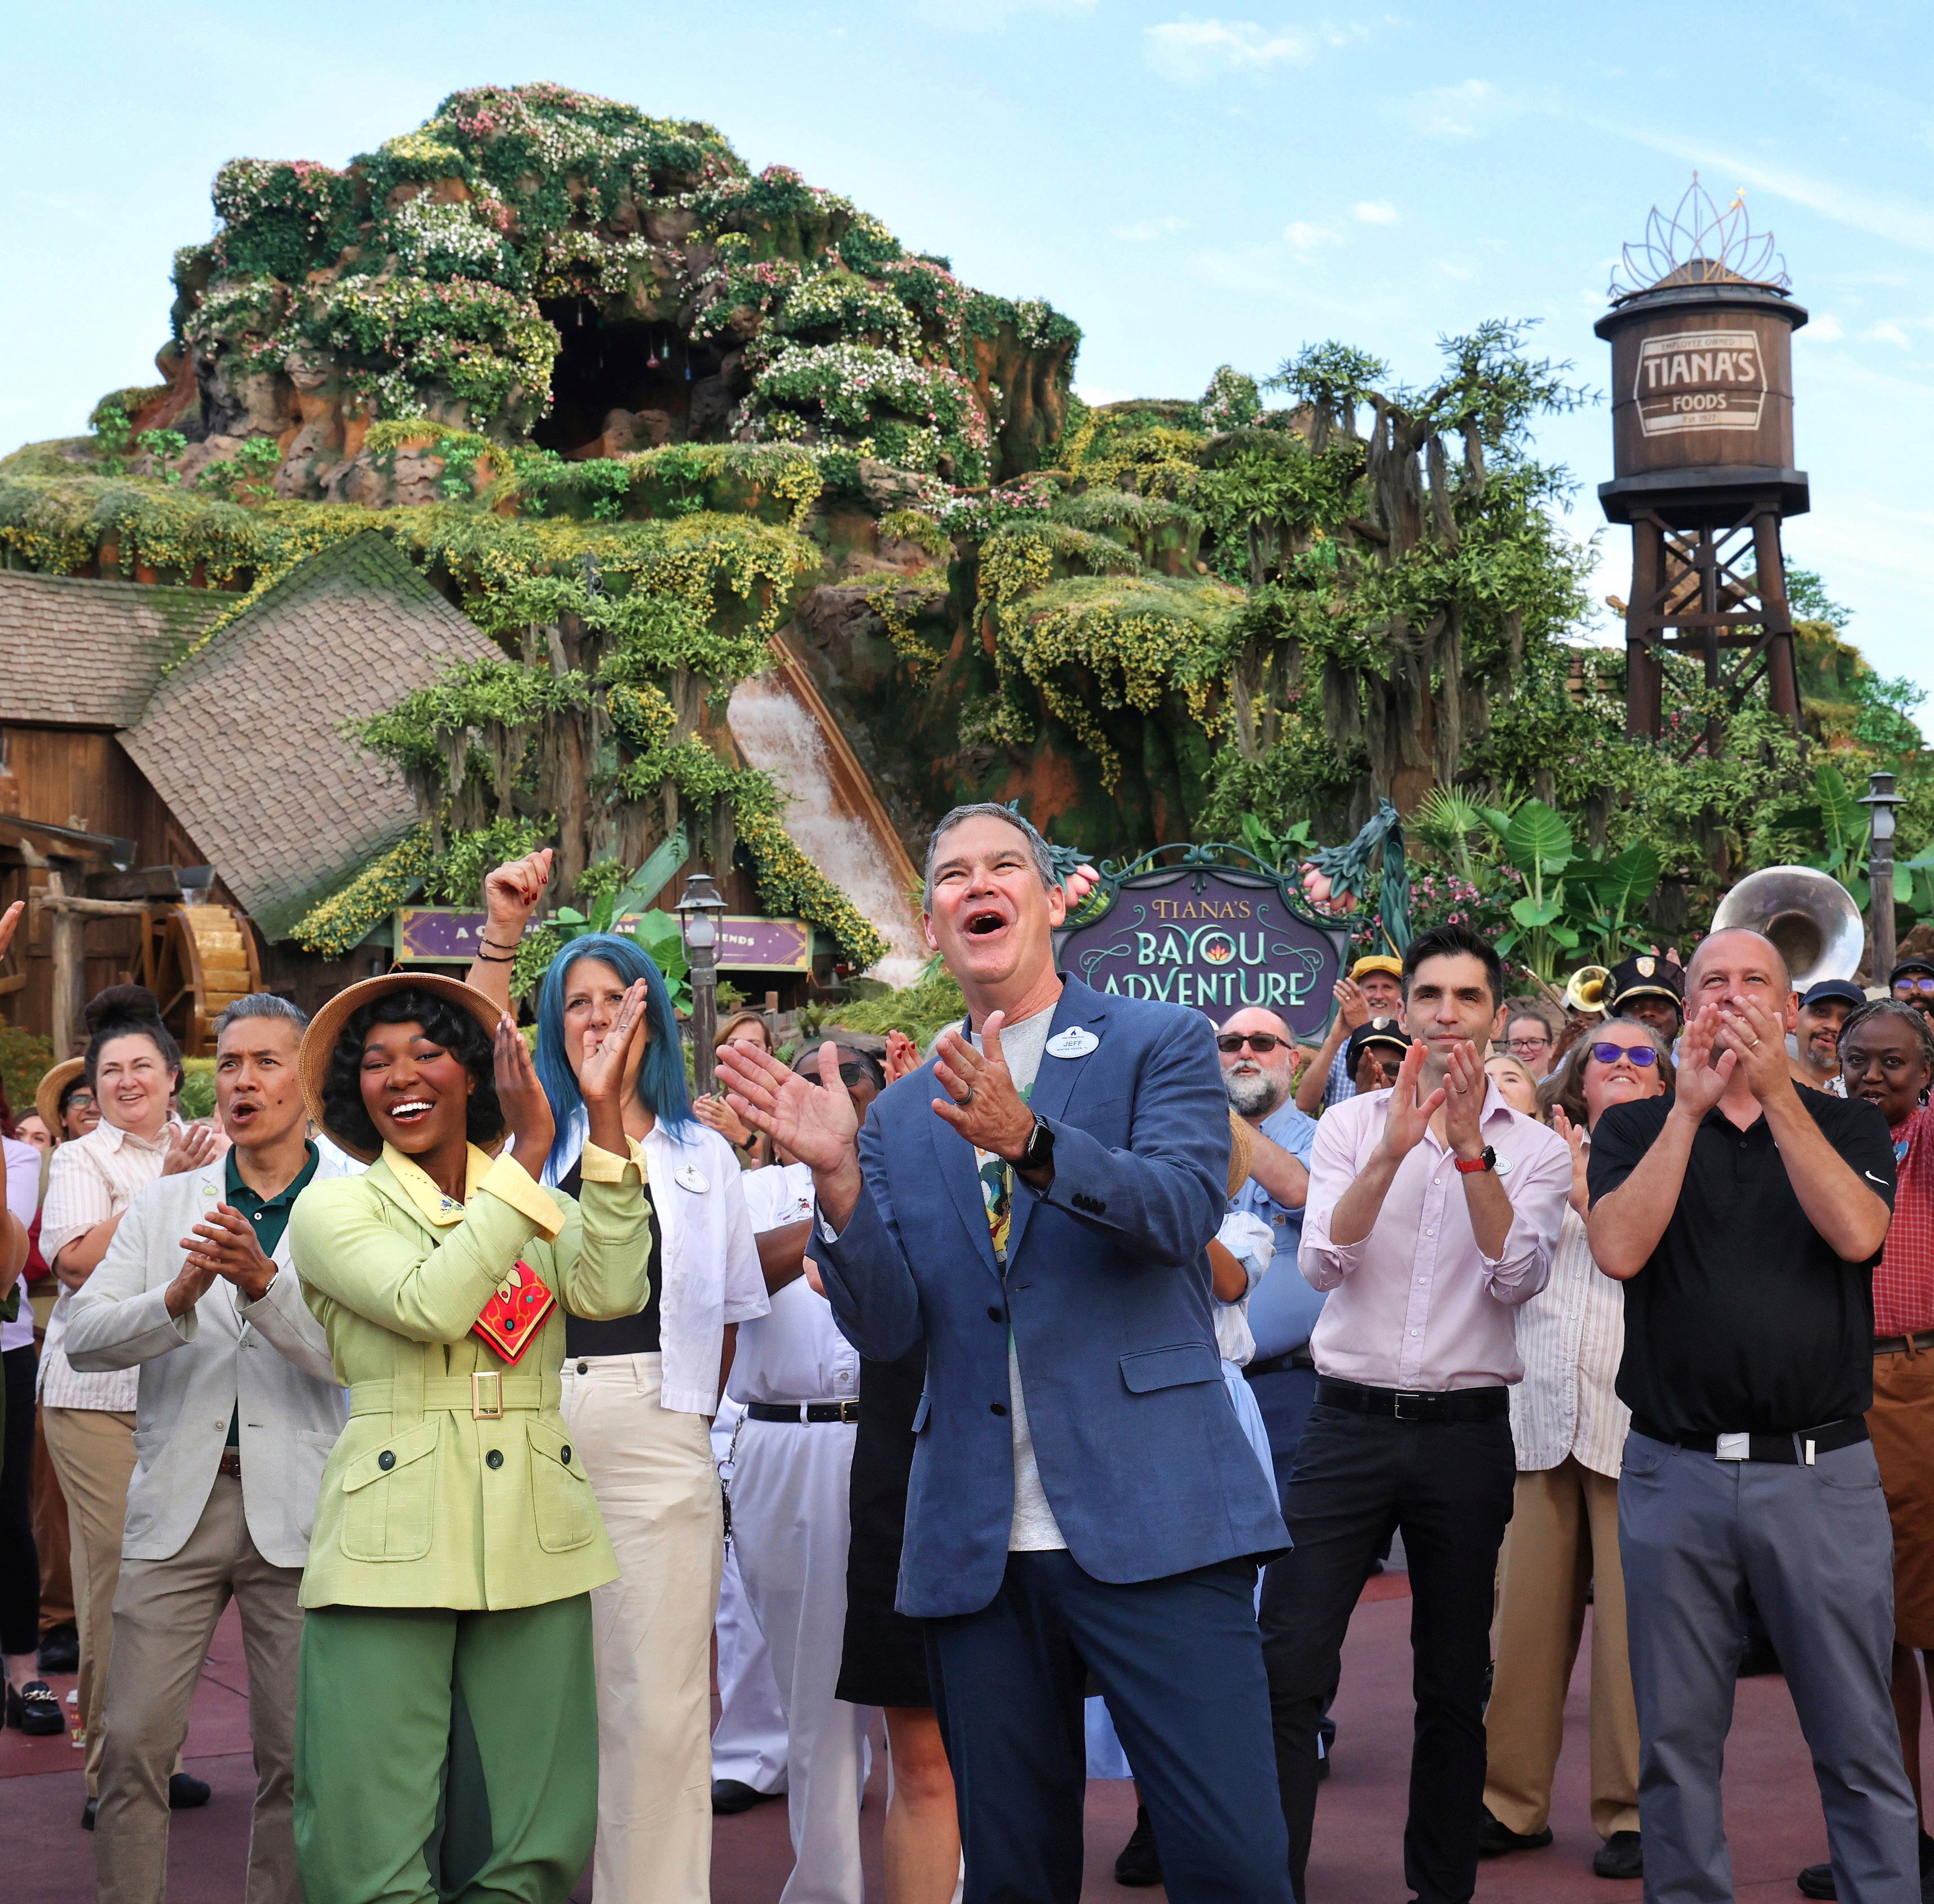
(780, 738)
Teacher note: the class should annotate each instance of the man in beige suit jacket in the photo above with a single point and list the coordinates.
(238, 1410)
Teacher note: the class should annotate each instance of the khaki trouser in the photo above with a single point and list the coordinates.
(651, 1470)
(164, 1616)
(1564, 1538)
(93, 1453)
(50, 1534)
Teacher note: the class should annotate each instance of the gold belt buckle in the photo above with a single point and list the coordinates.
(493, 1409)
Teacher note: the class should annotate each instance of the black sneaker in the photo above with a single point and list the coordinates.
(34, 1709)
(185, 1792)
(1140, 1865)
(87, 1812)
(1619, 1856)
(1817, 1881)
(1495, 1839)
(60, 1650)
(729, 1796)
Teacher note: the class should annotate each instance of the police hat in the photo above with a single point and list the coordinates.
(1645, 975)
(1382, 1032)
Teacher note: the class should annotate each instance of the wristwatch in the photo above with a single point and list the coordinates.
(1040, 1152)
(1488, 1161)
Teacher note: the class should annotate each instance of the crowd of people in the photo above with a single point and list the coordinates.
(1050, 1396)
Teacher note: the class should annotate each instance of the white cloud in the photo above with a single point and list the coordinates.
(1188, 50)
(1306, 237)
(1886, 333)
(1374, 211)
(1451, 269)
(1140, 234)
(1456, 112)
(1826, 331)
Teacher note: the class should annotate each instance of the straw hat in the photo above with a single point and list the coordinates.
(318, 1044)
(47, 1094)
(1240, 1151)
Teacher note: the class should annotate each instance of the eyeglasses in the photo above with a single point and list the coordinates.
(1523, 1044)
(1910, 988)
(1641, 1055)
(1259, 1042)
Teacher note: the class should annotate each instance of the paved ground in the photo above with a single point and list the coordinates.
(1772, 1810)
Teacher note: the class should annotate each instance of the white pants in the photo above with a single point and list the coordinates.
(748, 1743)
(651, 1469)
(791, 1522)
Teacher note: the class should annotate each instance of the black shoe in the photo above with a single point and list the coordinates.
(87, 1812)
(1619, 1856)
(34, 1709)
(185, 1792)
(60, 1650)
(1817, 1881)
(1494, 1839)
(1322, 1768)
(729, 1797)
(1140, 1865)
(1758, 1659)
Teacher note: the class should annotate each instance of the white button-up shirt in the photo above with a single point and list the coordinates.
(1416, 1305)
(1570, 1336)
(708, 1263)
(796, 1354)
(89, 1180)
(23, 1196)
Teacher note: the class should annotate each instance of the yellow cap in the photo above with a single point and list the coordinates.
(1378, 961)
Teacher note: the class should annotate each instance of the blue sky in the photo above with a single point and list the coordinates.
(1194, 188)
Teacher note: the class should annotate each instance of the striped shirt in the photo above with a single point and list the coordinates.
(89, 1180)
(1569, 1337)
(1903, 1279)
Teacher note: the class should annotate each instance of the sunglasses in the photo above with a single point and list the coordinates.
(1641, 1055)
(1257, 1041)
(1910, 988)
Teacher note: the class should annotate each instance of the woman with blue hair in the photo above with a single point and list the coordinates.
(639, 1396)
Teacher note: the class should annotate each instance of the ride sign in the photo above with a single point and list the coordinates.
(1211, 934)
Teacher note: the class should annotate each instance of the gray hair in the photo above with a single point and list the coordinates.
(985, 809)
(263, 1004)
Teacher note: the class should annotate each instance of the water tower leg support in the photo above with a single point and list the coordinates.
(1645, 668)
(1783, 678)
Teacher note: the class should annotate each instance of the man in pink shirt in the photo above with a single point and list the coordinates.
(1433, 1211)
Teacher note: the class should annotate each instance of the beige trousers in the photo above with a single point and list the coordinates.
(164, 1616)
(93, 1453)
(652, 1472)
(1563, 1538)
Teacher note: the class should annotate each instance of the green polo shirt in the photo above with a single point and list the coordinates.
(270, 1216)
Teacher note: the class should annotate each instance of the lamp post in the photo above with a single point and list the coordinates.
(698, 924)
(1881, 800)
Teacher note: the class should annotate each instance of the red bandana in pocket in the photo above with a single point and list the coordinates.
(512, 1318)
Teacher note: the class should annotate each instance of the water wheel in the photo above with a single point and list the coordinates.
(198, 961)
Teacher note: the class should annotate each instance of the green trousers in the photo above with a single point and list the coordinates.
(445, 1758)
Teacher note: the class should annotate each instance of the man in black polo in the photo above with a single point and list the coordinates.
(1744, 1216)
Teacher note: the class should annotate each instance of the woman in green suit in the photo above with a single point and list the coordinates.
(446, 1728)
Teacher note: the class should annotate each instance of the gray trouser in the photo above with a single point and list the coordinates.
(1814, 1545)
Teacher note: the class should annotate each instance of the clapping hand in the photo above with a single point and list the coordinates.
(1705, 1068)
(902, 1057)
(1575, 1135)
(527, 1111)
(189, 1148)
(1352, 1007)
(224, 1244)
(510, 894)
(1463, 1095)
(1408, 1118)
(981, 1102)
(716, 1114)
(1757, 1034)
(817, 1126)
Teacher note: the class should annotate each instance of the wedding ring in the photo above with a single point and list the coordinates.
(964, 1102)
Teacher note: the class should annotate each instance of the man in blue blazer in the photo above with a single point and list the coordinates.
(1036, 1202)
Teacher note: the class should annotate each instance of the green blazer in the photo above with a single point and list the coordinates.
(430, 1499)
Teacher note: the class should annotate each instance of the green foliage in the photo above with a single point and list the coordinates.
(922, 1011)
(1885, 722)
(342, 921)
(197, 1088)
(26, 1057)
(165, 446)
(248, 476)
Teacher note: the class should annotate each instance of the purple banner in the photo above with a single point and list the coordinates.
(447, 935)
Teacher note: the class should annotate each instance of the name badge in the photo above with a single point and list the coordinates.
(1075, 1042)
(689, 1176)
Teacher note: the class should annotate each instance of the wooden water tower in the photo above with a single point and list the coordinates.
(1701, 331)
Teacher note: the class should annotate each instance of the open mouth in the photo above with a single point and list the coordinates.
(241, 1114)
(982, 921)
(411, 1110)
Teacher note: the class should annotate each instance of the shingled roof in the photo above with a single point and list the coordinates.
(244, 740)
(87, 654)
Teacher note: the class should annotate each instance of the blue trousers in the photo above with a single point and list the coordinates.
(1180, 1664)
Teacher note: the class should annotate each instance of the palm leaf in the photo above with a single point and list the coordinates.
(1844, 822)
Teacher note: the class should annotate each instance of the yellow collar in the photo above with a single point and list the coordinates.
(414, 1182)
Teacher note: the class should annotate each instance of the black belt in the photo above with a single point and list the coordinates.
(1822, 1440)
(1900, 1345)
(1298, 1357)
(803, 1410)
(1416, 1405)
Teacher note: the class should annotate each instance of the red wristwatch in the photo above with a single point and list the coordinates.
(1488, 1161)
